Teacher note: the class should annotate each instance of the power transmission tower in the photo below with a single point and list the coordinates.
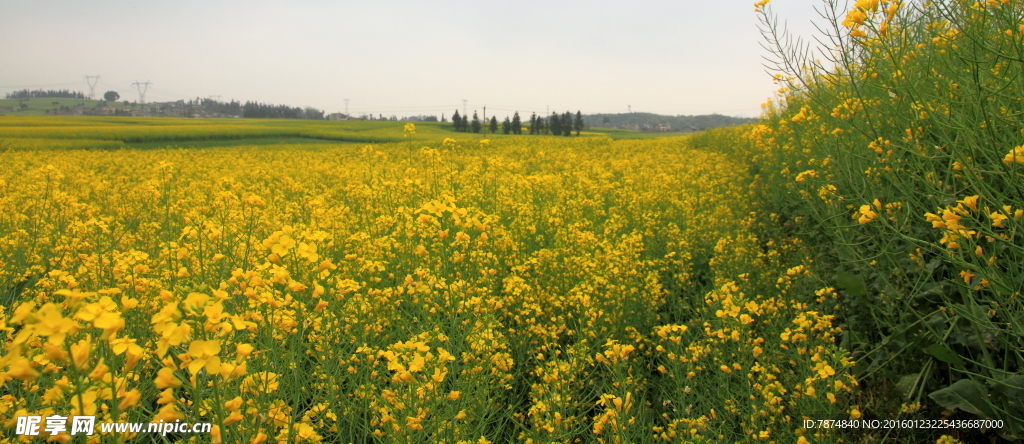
(92, 81)
(463, 107)
(141, 87)
(214, 97)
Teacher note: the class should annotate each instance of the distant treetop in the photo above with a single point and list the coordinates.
(55, 93)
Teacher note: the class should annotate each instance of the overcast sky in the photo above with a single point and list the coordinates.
(404, 57)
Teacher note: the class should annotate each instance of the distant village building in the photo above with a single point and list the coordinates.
(337, 116)
(419, 119)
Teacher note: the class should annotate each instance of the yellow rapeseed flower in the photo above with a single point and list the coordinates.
(1015, 155)
(165, 378)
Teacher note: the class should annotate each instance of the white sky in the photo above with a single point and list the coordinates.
(404, 57)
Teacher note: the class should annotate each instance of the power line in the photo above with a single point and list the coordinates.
(172, 93)
(410, 108)
(434, 108)
(400, 110)
(38, 86)
(378, 109)
(499, 108)
(514, 107)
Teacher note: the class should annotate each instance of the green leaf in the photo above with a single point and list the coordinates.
(965, 395)
(934, 293)
(936, 323)
(1012, 387)
(976, 315)
(852, 284)
(879, 358)
(944, 354)
(906, 384)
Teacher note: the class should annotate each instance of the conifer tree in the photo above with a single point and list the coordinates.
(578, 124)
(533, 123)
(457, 121)
(517, 125)
(567, 124)
(476, 123)
(555, 124)
(494, 124)
(506, 126)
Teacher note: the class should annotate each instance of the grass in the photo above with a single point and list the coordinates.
(266, 142)
(621, 134)
(39, 106)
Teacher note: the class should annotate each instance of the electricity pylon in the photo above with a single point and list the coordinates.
(141, 87)
(92, 81)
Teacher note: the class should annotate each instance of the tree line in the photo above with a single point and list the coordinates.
(232, 108)
(57, 93)
(555, 124)
(267, 111)
(677, 123)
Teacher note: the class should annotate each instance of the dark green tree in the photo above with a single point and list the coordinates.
(540, 125)
(494, 124)
(517, 124)
(506, 126)
(111, 96)
(476, 123)
(555, 124)
(457, 121)
(533, 123)
(567, 124)
(578, 123)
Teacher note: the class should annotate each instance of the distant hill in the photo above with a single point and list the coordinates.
(657, 122)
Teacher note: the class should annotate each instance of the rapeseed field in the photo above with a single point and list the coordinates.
(853, 257)
(512, 289)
